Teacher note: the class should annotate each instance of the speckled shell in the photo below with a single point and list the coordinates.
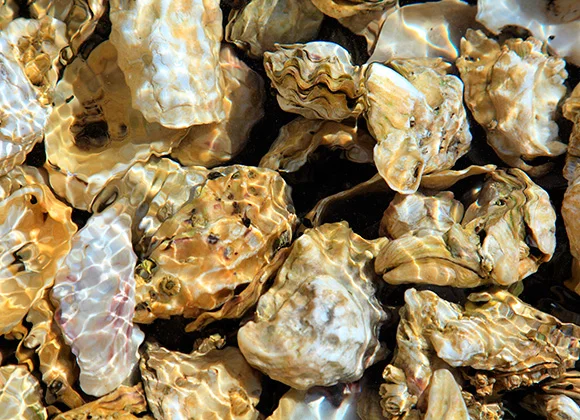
(125, 403)
(244, 94)
(316, 80)
(431, 29)
(318, 323)
(20, 394)
(93, 134)
(502, 238)
(35, 233)
(218, 384)
(420, 125)
(80, 16)
(556, 23)
(94, 293)
(259, 25)
(513, 91)
(346, 8)
(169, 53)
(22, 114)
(227, 236)
(299, 138)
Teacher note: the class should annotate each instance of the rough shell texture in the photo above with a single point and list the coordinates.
(228, 235)
(513, 91)
(217, 384)
(38, 44)
(21, 112)
(556, 23)
(95, 295)
(80, 16)
(418, 119)
(316, 80)
(125, 403)
(35, 233)
(346, 8)
(301, 137)
(212, 144)
(262, 23)
(94, 123)
(552, 407)
(502, 238)
(571, 110)
(20, 394)
(318, 324)
(170, 58)
(431, 29)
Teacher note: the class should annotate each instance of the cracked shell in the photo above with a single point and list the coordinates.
(262, 23)
(94, 123)
(94, 294)
(172, 82)
(20, 394)
(513, 91)
(212, 144)
(35, 233)
(217, 384)
(318, 324)
(212, 257)
(316, 80)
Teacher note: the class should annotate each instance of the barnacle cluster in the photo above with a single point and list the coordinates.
(289, 209)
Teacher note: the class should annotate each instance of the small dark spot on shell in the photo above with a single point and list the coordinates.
(33, 200)
(246, 221)
(212, 239)
(236, 207)
(214, 175)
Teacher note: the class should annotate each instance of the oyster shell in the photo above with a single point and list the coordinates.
(301, 137)
(316, 80)
(431, 29)
(346, 8)
(318, 323)
(259, 25)
(555, 22)
(513, 91)
(212, 144)
(8, 12)
(226, 237)
(568, 384)
(21, 111)
(420, 125)
(94, 293)
(125, 403)
(94, 123)
(445, 400)
(20, 394)
(571, 111)
(217, 384)
(552, 407)
(171, 63)
(502, 238)
(35, 233)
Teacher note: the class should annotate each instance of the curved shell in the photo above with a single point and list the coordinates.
(20, 394)
(318, 323)
(513, 91)
(571, 111)
(35, 233)
(217, 384)
(226, 237)
(94, 293)
(94, 123)
(445, 399)
(556, 22)
(346, 8)
(262, 23)
(298, 139)
(420, 125)
(244, 94)
(8, 11)
(170, 58)
(22, 114)
(316, 80)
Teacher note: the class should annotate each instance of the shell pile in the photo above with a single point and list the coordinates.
(290, 209)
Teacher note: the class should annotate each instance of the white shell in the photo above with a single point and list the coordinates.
(169, 53)
(20, 395)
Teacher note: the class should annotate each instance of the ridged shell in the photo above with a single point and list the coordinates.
(218, 384)
(318, 323)
(513, 91)
(93, 134)
(169, 53)
(20, 394)
(316, 80)
(346, 8)
(571, 111)
(94, 293)
(262, 23)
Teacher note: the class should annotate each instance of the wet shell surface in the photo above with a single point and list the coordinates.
(20, 394)
(318, 323)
